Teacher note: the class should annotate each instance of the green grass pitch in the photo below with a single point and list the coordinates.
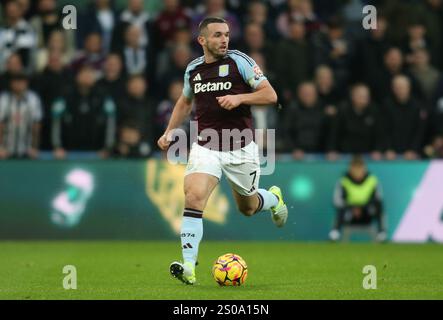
(277, 270)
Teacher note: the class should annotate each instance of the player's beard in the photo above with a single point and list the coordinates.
(216, 52)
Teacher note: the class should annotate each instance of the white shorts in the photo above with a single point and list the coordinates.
(241, 167)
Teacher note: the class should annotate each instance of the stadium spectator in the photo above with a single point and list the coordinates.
(52, 83)
(381, 83)
(136, 121)
(16, 36)
(435, 149)
(83, 120)
(426, 74)
(56, 45)
(218, 8)
(14, 65)
(352, 14)
(265, 117)
(48, 20)
(432, 15)
(91, 56)
(255, 41)
(295, 48)
(405, 121)
(172, 18)
(358, 201)
(166, 106)
(326, 88)
(174, 63)
(335, 49)
(300, 11)
(358, 127)
(100, 17)
(370, 52)
(133, 15)
(135, 56)
(258, 13)
(417, 40)
(434, 145)
(20, 116)
(306, 123)
(113, 83)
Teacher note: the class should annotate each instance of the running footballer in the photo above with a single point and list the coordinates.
(223, 84)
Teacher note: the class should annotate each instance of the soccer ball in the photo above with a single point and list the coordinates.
(230, 270)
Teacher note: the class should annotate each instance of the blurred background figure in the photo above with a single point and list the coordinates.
(358, 201)
(326, 88)
(336, 49)
(172, 18)
(294, 48)
(20, 117)
(405, 121)
(133, 15)
(113, 82)
(136, 123)
(56, 46)
(358, 127)
(298, 11)
(134, 55)
(16, 35)
(91, 56)
(166, 106)
(52, 83)
(426, 74)
(100, 17)
(217, 8)
(13, 66)
(307, 123)
(47, 21)
(83, 120)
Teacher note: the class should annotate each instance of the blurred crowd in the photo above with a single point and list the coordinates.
(109, 86)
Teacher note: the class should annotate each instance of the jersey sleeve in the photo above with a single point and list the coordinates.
(248, 68)
(187, 90)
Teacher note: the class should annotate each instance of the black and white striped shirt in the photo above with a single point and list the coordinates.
(18, 115)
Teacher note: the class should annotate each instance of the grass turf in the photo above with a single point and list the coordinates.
(140, 270)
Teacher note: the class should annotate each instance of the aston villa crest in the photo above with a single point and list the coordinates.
(223, 70)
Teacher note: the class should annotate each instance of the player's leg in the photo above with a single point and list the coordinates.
(198, 188)
(203, 173)
(244, 176)
(262, 200)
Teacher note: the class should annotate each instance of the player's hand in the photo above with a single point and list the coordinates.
(229, 102)
(164, 141)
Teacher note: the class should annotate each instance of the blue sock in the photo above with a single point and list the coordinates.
(267, 200)
(191, 234)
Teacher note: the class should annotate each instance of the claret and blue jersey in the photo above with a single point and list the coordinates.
(236, 73)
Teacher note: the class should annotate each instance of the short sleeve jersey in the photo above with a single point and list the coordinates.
(236, 73)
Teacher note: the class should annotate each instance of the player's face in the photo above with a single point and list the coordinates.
(216, 39)
(358, 172)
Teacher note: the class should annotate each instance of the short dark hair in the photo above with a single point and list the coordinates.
(357, 161)
(204, 24)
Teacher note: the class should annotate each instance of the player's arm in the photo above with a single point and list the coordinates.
(264, 94)
(182, 109)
